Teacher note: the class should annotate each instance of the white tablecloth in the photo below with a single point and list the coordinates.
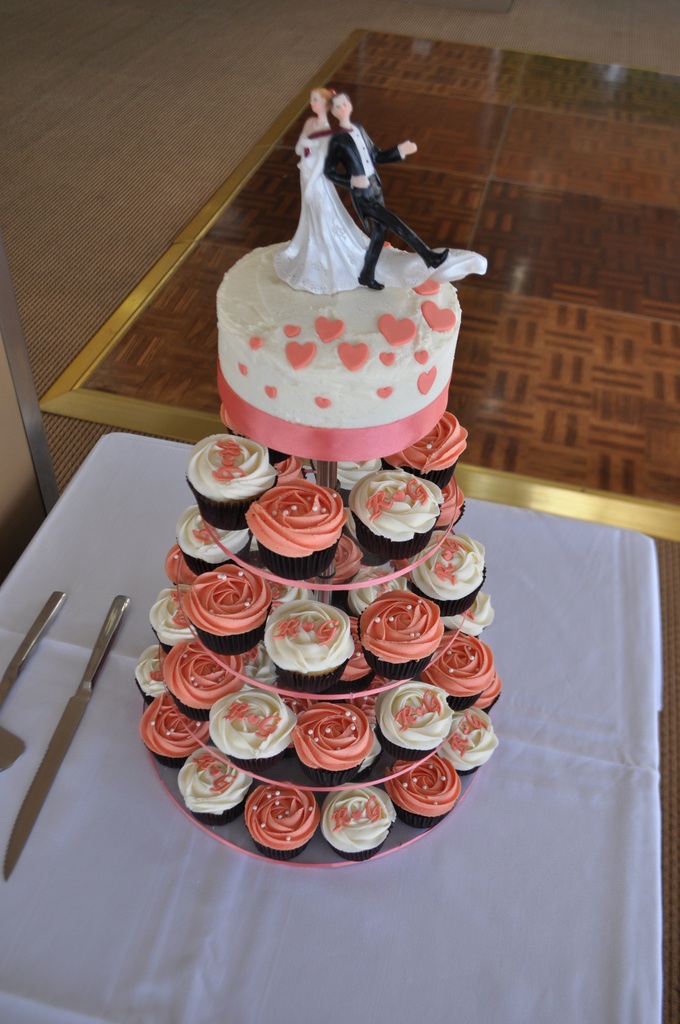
(537, 900)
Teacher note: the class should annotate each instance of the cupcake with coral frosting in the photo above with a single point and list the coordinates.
(413, 719)
(347, 560)
(464, 670)
(289, 470)
(399, 633)
(424, 795)
(472, 741)
(434, 456)
(358, 674)
(206, 548)
(195, 680)
(366, 766)
(310, 643)
(168, 618)
(394, 512)
(374, 577)
(475, 619)
(214, 791)
(453, 574)
(168, 734)
(228, 609)
(453, 505)
(226, 473)
(252, 727)
(297, 528)
(149, 673)
(331, 741)
(490, 695)
(356, 822)
(281, 820)
(176, 569)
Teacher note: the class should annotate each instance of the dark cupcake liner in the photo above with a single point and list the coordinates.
(323, 777)
(273, 854)
(230, 814)
(457, 703)
(276, 456)
(255, 764)
(418, 820)
(298, 568)
(148, 699)
(352, 686)
(199, 566)
(460, 514)
(468, 771)
(224, 515)
(402, 753)
(312, 683)
(386, 548)
(396, 669)
(235, 643)
(440, 477)
(487, 709)
(361, 854)
(453, 607)
(197, 714)
(169, 762)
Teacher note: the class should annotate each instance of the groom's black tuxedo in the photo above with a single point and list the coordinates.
(369, 202)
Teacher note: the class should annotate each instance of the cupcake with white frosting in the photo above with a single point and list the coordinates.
(226, 473)
(350, 473)
(394, 512)
(356, 822)
(310, 643)
(199, 544)
(252, 727)
(168, 618)
(258, 666)
(453, 574)
(214, 791)
(413, 719)
(358, 600)
(475, 619)
(149, 673)
(472, 741)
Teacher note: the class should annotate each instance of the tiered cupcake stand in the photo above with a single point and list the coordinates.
(287, 770)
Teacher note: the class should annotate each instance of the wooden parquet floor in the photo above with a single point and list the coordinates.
(566, 176)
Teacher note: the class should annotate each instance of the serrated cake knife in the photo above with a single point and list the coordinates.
(11, 746)
(62, 736)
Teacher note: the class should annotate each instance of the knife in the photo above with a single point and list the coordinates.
(62, 736)
(11, 746)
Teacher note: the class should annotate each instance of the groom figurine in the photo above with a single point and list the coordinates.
(351, 147)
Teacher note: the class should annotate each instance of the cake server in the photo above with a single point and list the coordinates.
(62, 735)
(11, 746)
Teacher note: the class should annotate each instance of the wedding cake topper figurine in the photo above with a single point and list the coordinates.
(329, 253)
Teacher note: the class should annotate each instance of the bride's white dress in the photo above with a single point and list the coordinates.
(328, 249)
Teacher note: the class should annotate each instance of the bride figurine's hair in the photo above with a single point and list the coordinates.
(327, 94)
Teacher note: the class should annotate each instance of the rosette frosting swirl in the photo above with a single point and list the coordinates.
(399, 626)
(289, 470)
(431, 788)
(414, 715)
(296, 519)
(472, 740)
(347, 560)
(176, 569)
(226, 467)
(349, 473)
(258, 666)
(355, 820)
(359, 599)
(195, 539)
(478, 616)
(332, 736)
(357, 666)
(166, 731)
(149, 671)
(281, 594)
(439, 449)
(395, 504)
(452, 505)
(251, 724)
(465, 668)
(490, 694)
(307, 636)
(168, 618)
(194, 677)
(210, 785)
(453, 571)
(228, 600)
(281, 817)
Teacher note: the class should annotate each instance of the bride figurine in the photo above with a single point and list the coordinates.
(328, 250)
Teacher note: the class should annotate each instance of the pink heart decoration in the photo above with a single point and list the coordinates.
(384, 392)
(421, 357)
(323, 403)
(256, 343)
(243, 369)
(270, 391)
(388, 358)
(291, 331)
(438, 319)
(426, 380)
(353, 356)
(300, 355)
(397, 332)
(428, 287)
(329, 330)
(308, 626)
